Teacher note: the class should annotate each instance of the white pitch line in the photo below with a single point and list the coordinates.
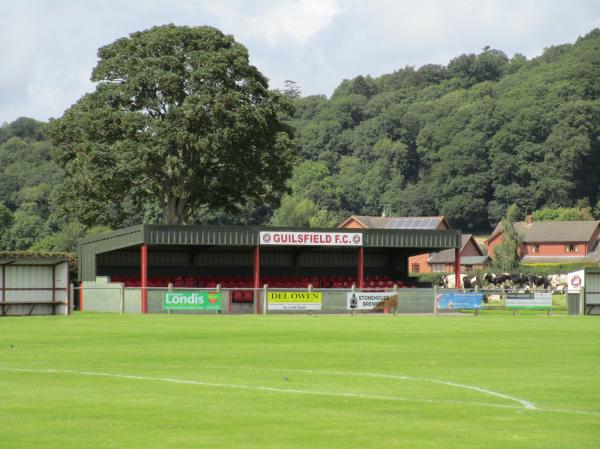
(311, 392)
(526, 404)
(255, 387)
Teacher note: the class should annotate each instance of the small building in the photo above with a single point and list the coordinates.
(425, 262)
(34, 283)
(553, 241)
(471, 258)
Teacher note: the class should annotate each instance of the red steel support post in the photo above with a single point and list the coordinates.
(53, 289)
(81, 296)
(361, 267)
(144, 278)
(457, 266)
(256, 276)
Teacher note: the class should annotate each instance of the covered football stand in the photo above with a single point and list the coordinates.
(151, 256)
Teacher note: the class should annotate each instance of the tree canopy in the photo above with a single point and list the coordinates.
(179, 121)
(466, 140)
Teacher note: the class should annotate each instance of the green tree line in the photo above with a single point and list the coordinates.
(465, 140)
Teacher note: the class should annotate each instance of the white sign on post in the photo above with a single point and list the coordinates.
(575, 281)
(538, 300)
(309, 238)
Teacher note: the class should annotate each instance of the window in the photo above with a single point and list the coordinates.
(415, 268)
(437, 267)
(571, 248)
(535, 248)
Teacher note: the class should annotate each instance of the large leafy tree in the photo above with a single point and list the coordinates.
(178, 119)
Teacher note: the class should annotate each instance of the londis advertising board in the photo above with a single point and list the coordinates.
(191, 300)
(295, 300)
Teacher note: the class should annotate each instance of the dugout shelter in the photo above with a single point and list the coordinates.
(34, 283)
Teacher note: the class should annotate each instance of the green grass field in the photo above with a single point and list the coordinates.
(172, 381)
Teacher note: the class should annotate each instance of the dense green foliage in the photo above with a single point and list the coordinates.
(299, 382)
(563, 214)
(30, 215)
(179, 120)
(464, 140)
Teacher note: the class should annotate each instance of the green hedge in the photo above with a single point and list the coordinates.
(538, 269)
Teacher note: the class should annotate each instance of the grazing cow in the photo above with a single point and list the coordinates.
(536, 281)
(466, 281)
(470, 281)
(558, 282)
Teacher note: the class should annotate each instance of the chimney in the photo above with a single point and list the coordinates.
(528, 219)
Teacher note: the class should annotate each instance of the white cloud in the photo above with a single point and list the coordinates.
(295, 20)
(48, 47)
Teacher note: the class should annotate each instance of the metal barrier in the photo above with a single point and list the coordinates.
(115, 297)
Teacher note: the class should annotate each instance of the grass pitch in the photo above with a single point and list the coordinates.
(160, 381)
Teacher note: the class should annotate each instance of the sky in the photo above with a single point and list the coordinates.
(48, 47)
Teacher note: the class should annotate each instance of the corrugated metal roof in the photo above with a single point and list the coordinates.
(35, 258)
(164, 235)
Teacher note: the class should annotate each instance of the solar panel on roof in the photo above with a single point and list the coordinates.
(413, 223)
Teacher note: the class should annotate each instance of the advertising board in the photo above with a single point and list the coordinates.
(293, 301)
(449, 301)
(187, 300)
(537, 300)
(371, 301)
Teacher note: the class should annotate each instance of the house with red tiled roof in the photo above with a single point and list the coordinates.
(553, 241)
(471, 254)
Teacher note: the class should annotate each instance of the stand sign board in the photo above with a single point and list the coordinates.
(293, 301)
(310, 238)
(191, 300)
(371, 301)
(539, 300)
(459, 301)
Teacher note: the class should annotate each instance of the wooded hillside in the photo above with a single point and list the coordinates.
(465, 140)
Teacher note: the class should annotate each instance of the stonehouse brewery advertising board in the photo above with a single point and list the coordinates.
(537, 300)
(309, 238)
(294, 300)
(371, 301)
(192, 301)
